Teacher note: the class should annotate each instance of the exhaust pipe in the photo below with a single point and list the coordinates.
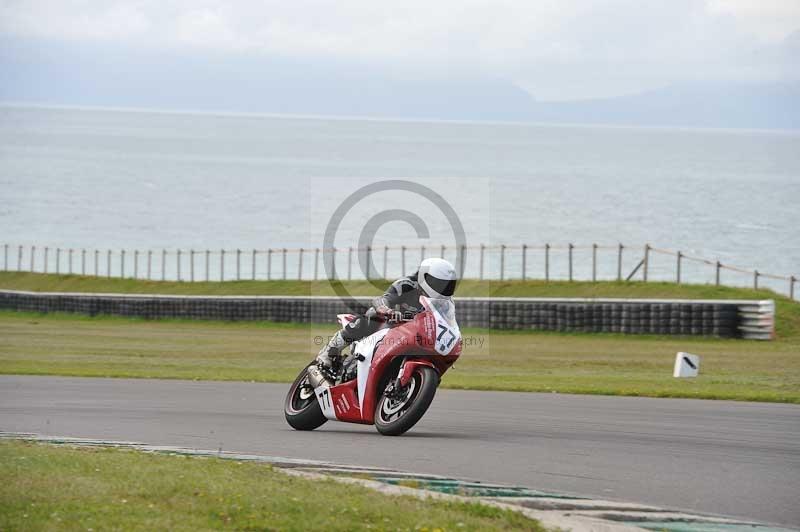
(315, 377)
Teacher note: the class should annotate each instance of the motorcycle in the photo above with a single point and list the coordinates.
(387, 379)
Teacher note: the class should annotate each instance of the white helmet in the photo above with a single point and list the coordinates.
(437, 278)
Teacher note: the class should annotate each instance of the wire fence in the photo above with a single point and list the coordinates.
(546, 262)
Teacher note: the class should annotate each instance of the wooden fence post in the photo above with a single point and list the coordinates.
(222, 265)
(19, 259)
(716, 273)
(316, 263)
(191, 265)
(502, 261)
(755, 279)
(58, 261)
(422, 253)
(547, 262)
(163, 264)
(385, 260)
(524, 260)
(178, 264)
(483, 250)
(238, 264)
(369, 262)
(300, 265)
(135, 263)
(791, 286)
(402, 260)
(678, 268)
(121, 263)
(108, 263)
(33, 258)
(350, 263)
(253, 266)
(269, 264)
(571, 247)
(283, 259)
(646, 261)
(462, 261)
(594, 263)
(619, 262)
(96, 261)
(46, 253)
(208, 263)
(149, 264)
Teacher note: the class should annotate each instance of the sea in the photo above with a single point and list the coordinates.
(113, 179)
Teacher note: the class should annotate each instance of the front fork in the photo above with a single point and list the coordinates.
(407, 370)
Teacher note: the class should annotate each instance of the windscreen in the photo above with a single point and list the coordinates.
(446, 308)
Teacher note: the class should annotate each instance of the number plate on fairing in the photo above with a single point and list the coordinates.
(446, 338)
(325, 399)
(446, 333)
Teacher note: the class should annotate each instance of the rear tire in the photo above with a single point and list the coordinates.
(301, 408)
(394, 417)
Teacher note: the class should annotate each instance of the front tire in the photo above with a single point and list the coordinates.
(301, 407)
(395, 415)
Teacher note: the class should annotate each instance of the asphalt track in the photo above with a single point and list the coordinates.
(718, 457)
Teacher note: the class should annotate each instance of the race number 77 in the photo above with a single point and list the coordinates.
(325, 397)
(442, 332)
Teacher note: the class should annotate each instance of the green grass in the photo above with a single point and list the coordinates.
(468, 287)
(60, 344)
(49, 487)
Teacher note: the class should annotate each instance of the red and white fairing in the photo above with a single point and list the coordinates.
(432, 338)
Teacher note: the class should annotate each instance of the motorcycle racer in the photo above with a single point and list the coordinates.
(436, 278)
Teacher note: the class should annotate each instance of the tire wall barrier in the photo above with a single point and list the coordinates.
(750, 319)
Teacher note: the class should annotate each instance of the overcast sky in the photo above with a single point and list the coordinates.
(555, 49)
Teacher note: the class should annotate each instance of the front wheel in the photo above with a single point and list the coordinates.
(402, 408)
(301, 408)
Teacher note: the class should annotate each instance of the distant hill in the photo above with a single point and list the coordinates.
(728, 105)
(40, 72)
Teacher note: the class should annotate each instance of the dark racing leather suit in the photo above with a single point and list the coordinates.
(402, 295)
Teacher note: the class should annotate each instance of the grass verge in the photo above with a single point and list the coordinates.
(61, 344)
(468, 287)
(49, 487)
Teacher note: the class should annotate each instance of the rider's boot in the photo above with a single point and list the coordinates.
(332, 350)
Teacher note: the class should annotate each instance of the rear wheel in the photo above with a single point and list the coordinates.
(301, 408)
(400, 409)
